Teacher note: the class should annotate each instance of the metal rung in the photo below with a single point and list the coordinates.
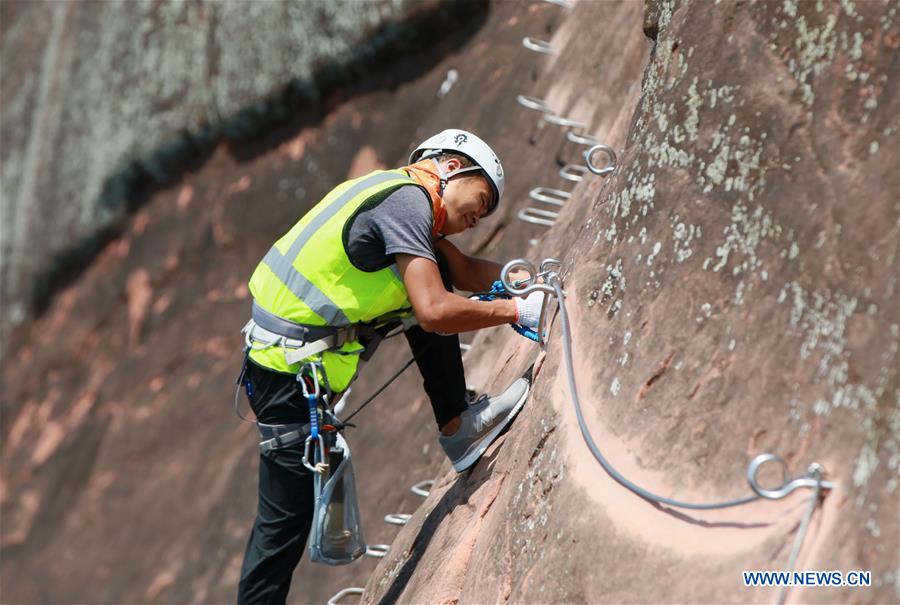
(573, 172)
(397, 518)
(610, 166)
(538, 46)
(582, 139)
(557, 197)
(423, 488)
(377, 551)
(565, 122)
(562, 3)
(532, 103)
(533, 215)
(464, 347)
(533, 241)
(343, 593)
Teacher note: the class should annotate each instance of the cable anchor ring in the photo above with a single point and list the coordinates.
(789, 485)
(589, 162)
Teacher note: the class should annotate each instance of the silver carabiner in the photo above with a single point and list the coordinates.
(548, 263)
(811, 479)
(312, 367)
(550, 268)
(320, 467)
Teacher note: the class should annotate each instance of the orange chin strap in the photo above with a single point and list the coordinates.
(425, 173)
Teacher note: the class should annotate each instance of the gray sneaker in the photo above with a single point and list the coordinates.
(481, 423)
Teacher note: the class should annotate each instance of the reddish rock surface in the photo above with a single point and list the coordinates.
(732, 290)
(89, 86)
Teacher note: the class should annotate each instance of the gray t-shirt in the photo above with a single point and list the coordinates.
(399, 224)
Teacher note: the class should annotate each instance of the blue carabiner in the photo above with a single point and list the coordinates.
(313, 416)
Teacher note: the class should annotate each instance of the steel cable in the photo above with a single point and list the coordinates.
(803, 481)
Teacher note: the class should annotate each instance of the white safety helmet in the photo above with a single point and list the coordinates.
(464, 143)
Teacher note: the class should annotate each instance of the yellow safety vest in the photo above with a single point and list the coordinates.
(308, 278)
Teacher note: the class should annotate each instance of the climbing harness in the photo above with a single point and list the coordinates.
(336, 535)
(272, 436)
(298, 341)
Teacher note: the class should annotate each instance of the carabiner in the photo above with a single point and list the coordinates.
(311, 366)
(549, 272)
(320, 467)
(517, 288)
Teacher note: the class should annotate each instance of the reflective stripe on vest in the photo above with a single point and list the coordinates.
(308, 278)
(282, 265)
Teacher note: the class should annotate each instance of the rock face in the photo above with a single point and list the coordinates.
(732, 290)
(88, 86)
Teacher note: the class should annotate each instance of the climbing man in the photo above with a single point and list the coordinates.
(368, 258)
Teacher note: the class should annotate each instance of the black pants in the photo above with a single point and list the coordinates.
(285, 509)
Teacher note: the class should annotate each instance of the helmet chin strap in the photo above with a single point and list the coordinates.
(442, 176)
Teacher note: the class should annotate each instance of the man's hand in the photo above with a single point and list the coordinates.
(529, 310)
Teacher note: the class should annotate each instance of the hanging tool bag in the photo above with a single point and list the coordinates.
(336, 537)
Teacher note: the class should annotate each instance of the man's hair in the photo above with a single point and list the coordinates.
(463, 160)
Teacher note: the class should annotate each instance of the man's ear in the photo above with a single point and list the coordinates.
(452, 164)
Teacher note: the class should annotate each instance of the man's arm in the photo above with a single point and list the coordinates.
(440, 311)
(470, 274)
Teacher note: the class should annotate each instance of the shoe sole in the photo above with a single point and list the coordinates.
(472, 457)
